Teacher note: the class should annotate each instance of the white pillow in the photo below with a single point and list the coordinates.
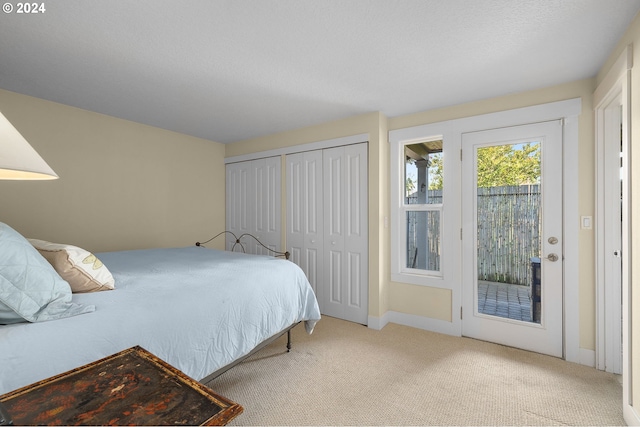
(30, 289)
(83, 271)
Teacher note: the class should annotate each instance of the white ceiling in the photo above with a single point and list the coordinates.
(236, 69)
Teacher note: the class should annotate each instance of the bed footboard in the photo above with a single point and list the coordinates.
(240, 245)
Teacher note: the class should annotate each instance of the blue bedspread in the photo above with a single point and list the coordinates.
(198, 309)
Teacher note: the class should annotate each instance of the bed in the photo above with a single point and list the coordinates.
(199, 309)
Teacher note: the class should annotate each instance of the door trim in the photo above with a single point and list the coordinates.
(617, 83)
(608, 287)
(310, 146)
(567, 110)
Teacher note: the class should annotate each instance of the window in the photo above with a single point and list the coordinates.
(422, 204)
(425, 205)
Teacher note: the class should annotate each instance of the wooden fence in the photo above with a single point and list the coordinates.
(508, 233)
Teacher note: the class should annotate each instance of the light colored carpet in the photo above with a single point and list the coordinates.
(347, 374)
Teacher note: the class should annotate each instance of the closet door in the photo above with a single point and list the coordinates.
(346, 233)
(237, 201)
(266, 202)
(253, 200)
(304, 215)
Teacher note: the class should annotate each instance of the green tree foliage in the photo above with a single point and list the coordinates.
(410, 185)
(502, 165)
(436, 172)
(498, 165)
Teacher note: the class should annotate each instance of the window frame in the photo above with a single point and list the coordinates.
(405, 208)
(448, 209)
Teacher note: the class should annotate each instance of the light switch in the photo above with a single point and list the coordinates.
(586, 222)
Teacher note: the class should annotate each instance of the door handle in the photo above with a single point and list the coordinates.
(552, 257)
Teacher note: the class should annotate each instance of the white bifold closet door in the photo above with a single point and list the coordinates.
(327, 231)
(253, 204)
(305, 227)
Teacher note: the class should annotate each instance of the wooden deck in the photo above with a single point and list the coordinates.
(504, 300)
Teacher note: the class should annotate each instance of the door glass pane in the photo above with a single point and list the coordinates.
(509, 231)
(423, 240)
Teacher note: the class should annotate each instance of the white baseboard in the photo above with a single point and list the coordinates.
(586, 357)
(630, 415)
(420, 322)
(378, 323)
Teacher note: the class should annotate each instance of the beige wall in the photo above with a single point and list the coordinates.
(122, 185)
(431, 302)
(632, 37)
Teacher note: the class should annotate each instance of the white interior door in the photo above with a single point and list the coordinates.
(610, 216)
(513, 237)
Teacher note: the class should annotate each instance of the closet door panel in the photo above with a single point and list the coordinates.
(238, 218)
(346, 234)
(356, 197)
(313, 224)
(334, 200)
(356, 231)
(354, 286)
(313, 196)
(295, 212)
(334, 213)
(334, 297)
(304, 215)
(253, 204)
(266, 199)
(312, 268)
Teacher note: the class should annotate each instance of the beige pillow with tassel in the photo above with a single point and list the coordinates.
(80, 268)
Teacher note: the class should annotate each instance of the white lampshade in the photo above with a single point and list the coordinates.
(18, 160)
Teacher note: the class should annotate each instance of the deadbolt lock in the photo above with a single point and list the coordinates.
(553, 240)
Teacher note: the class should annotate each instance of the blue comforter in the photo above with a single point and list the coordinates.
(198, 309)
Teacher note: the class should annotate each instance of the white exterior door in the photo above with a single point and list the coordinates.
(539, 146)
(305, 223)
(346, 233)
(253, 204)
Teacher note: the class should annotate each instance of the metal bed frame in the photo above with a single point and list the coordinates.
(266, 342)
